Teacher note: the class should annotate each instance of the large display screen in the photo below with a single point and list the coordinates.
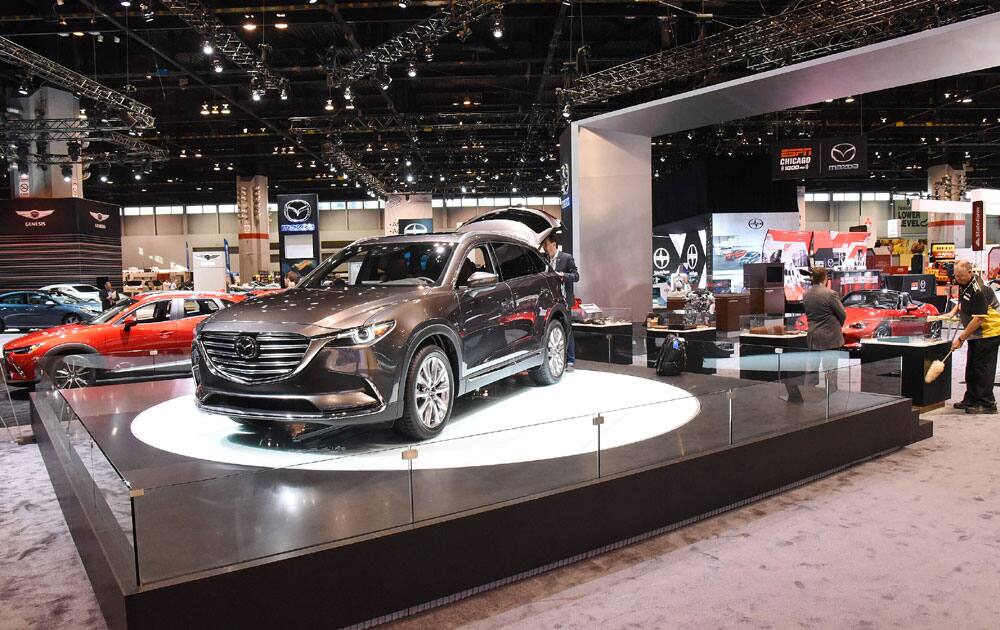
(791, 248)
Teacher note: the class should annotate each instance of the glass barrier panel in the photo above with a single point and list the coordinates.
(656, 433)
(863, 386)
(74, 371)
(766, 408)
(277, 497)
(515, 462)
(758, 362)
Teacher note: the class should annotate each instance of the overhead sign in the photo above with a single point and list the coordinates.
(978, 227)
(298, 233)
(815, 159)
(37, 217)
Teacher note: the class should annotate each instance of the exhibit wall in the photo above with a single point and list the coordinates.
(47, 241)
(738, 239)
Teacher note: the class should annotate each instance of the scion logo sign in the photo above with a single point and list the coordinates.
(297, 210)
(661, 258)
(755, 223)
(692, 256)
(415, 228)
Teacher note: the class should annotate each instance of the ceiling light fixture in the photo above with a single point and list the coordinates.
(849, 99)
(498, 27)
(329, 105)
(204, 109)
(284, 94)
(411, 70)
(402, 4)
(217, 66)
(281, 25)
(67, 173)
(257, 94)
(207, 48)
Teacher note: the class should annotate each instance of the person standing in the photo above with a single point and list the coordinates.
(564, 265)
(109, 297)
(826, 316)
(979, 312)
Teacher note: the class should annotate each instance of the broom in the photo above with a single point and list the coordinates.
(937, 366)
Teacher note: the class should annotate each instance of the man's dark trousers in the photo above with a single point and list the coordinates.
(980, 371)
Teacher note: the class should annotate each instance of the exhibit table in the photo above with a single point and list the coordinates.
(606, 343)
(916, 356)
(699, 338)
(755, 350)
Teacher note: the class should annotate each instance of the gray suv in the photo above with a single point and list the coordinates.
(391, 329)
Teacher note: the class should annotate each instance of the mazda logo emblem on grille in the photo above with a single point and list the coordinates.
(843, 152)
(246, 347)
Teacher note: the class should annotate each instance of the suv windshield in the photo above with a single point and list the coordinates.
(383, 263)
(112, 312)
(873, 299)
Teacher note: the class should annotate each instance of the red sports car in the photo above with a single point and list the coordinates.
(869, 315)
(150, 333)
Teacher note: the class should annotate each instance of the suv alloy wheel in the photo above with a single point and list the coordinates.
(430, 394)
(553, 355)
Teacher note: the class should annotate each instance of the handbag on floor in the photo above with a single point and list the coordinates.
(672, 356)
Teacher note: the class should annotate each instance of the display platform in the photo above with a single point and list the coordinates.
(524, 477)
(916, 356)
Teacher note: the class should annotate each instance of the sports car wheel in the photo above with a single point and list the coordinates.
(71, 372)
(72, 318)
(883, 330)
(553, 356)
(936, 330)
(430, 393)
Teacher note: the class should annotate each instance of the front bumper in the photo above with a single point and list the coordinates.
(19, 369)
(336, 387)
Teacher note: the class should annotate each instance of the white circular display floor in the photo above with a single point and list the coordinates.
(523, 423)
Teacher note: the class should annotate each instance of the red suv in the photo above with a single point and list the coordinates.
(149, 333)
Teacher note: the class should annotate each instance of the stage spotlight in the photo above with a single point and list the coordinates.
(136, 174)
(329, 105)
(257, 94)
(411, 70)
(104, 172)
(567, 111)
(217, 66)
(73, 151)
(24, 88)
(498, 27)
(67, 173)
(383, 78)
(284, 94)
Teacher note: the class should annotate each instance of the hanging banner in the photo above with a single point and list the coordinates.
(817, 159)
(978, 227)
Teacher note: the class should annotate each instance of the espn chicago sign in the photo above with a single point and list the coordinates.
(795, 159)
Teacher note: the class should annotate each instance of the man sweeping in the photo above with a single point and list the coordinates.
(979, 312)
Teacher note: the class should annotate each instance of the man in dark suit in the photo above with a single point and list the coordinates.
(826, 316)
(565, 266)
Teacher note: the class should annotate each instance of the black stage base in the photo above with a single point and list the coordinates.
(406, 569)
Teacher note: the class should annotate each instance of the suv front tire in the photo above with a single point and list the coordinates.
(429, 395)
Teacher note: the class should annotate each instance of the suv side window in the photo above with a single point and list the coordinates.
(197, 308)
(153, 312)
(538, 264)
(513, 260)
(477, 259)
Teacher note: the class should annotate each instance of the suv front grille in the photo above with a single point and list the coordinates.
(279, 354)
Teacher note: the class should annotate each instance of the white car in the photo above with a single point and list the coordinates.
(84, 292)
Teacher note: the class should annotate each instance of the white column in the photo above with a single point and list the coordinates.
(613, 218)
(254, 237)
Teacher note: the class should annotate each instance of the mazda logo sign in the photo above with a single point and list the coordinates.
(297, 210)
(415, 228)
(692, 256)
(246, 347)
(661, 258)
(843, 152)
(755, 223)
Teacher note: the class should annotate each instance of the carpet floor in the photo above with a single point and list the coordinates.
(911, 540)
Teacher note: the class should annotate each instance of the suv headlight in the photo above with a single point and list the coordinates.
(25, 349)
(362, 335)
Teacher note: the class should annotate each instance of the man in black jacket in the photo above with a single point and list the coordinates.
(565, 266)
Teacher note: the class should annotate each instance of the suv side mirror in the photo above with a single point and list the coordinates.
(129, 322)
(50, 303)
(482, 279)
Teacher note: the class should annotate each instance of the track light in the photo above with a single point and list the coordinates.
(136, 174)
(204, 109)
(73, 151)
(402, 4)
(225, 109)
(207, 48)
(349, 105)
(67, 173)
(147, 12)
(24, 88)
(567, 112)
(256, 94)
(383, 78)
(411, 70)
(217, 167)
(104, 172)
(428, 53)
(329, 105)
(284, 94)
(217, 66)
(498, 27)
(347, 93)
(125, 3)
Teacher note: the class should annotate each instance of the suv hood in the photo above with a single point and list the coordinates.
(55, 335)
(312, 311)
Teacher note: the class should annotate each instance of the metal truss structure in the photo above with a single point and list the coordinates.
(335, 155)
(818, 28)
(89, 133)
(39, 67)
(413, 41)
(451, 122)
(226, 43)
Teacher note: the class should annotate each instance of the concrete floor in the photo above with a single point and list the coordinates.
(910, 540)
